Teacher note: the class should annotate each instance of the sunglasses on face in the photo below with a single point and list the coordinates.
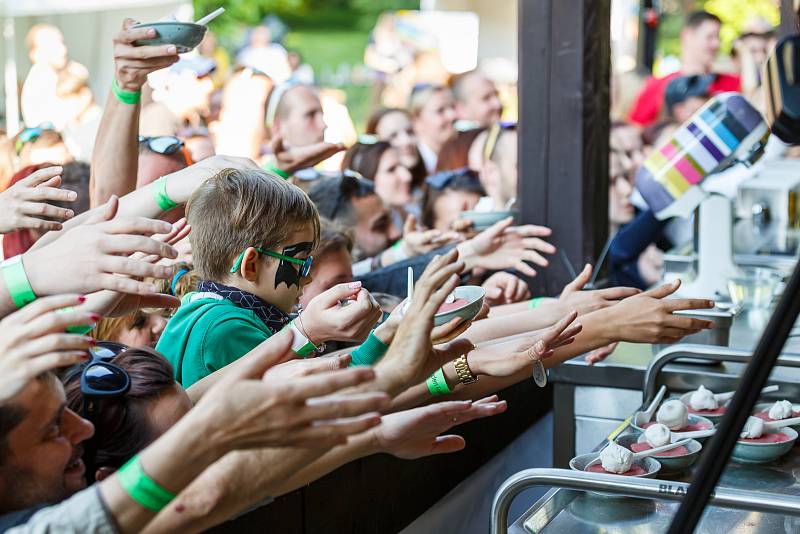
(32, 134)
(166, 145)
(305, 265)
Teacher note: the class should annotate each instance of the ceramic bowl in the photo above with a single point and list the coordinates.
(761, 453)
(692, 420)
(714, 418)
(481, 220)
(473, 294)
(184, 35)
(669, 464)
(650, 465)
(765, 406)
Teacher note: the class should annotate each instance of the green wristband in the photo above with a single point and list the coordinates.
(17, 281)
(160, 194)
(300, 343)
(283, 174)
(142, 488)
(535, 303)
(437, 385)
(80, 329)
(126, 97)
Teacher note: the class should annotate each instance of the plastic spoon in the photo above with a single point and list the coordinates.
(774, 425)
(694, 434)
(728, 395)
(211, 16)
(644, 454)
(409, 289)
(642, 418)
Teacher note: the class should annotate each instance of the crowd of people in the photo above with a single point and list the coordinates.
(187, 335)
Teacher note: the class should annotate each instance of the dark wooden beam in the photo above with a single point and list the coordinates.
(564, 66)
(789, 22)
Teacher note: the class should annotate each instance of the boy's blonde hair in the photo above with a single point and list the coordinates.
(237, 209)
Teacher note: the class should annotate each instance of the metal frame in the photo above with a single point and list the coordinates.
(632, 487)
(704, 352)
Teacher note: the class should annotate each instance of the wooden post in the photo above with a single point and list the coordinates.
(564, 66)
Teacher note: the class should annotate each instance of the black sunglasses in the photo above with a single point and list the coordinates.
(351, 184)
(100, 380)
(441, 180)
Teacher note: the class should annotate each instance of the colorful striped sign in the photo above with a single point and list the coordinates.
(699, 147)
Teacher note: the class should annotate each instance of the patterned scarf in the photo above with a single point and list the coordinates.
(273, 317)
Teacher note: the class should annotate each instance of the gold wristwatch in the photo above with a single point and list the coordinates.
(463, 371)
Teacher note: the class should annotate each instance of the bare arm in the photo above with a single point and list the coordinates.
(115, 155)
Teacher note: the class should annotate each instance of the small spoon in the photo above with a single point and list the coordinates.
(211, 16)
(642, 418)
(409, 289)
(774, 425)
(694, 434)
(728, 395)
(644, 454)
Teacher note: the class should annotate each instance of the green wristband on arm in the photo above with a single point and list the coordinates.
(126, 97)
(437, 385)
(160, 194)
(535, 303)
(370, 352)
(143, 489)
(17, 281)
(275, 170)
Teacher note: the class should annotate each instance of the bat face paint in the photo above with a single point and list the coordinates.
(288, 273)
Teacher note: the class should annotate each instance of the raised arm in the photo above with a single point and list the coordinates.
(115, 154)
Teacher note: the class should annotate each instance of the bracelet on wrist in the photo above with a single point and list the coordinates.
(271, 167)
(465, 374)
(143, 489)
(160, 194)
(437, 385)
(17, 283)
(301, 345)
(126, 97)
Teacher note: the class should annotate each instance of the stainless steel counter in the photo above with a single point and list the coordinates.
(590, 402)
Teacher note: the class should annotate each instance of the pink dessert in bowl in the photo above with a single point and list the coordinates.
(691, 427)
(450, 306)
(634, 471)
(644, 446)
(765, 415)
(775, 437)
(718, 412)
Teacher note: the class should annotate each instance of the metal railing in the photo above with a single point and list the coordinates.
(631, 487)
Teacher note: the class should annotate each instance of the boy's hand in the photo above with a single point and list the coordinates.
(326, 318)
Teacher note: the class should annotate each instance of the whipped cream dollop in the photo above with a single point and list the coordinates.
(703, 399)
(657, 435)
(753, 428)
(782, 409)
(616, 458)
(673, 414)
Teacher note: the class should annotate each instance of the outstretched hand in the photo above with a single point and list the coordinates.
(292, 159)
(575, 297)
(25, 204)
(502, 246)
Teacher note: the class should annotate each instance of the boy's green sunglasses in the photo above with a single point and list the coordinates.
(305, 265)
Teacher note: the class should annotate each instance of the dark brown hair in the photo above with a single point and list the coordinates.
(237, 209)
(123, 426)
(455, 151)
(333, 237)
(419, 172)
(364, 158)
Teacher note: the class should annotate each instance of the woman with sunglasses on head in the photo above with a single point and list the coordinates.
(393, 125)
(447, 195)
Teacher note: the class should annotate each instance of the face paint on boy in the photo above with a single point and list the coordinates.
(289, 273)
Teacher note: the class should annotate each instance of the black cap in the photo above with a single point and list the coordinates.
(683, 87)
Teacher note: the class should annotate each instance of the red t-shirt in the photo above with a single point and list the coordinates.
(647, 108)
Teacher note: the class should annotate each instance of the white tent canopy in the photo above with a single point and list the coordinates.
(88, 27)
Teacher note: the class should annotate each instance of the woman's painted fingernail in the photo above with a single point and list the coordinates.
(81, 298)
(94, 317)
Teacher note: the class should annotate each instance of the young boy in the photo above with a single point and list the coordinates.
(252, 235)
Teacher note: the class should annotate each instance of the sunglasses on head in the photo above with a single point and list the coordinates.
(305, 265)
(100, 380)
(352, 184)
(31, 134)
(166, 145)
(441, 180)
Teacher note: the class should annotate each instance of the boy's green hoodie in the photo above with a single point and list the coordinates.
(209, 332)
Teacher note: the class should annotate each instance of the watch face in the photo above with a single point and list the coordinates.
(539, 374)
